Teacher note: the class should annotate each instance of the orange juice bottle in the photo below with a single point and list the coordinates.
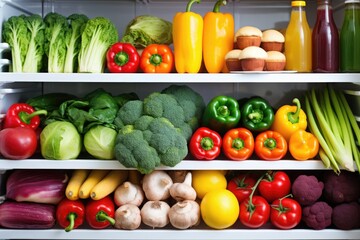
(298, 40)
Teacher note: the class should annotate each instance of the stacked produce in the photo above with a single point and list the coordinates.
(184, 199)
(59, 44)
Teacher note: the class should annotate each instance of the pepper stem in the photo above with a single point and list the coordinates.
(26, 118)
(207, 143)
(223, 111)
(121, 58)
(71, 217)
(238, 143)
(218, 4)
(256, 116)
(155, 59)
(190, 3)
(293, 117)
(270, 143)
(102, 216)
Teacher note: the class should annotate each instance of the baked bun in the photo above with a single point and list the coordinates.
(253, 58)
(272, 40)
(275, 61)
(232, 60)
(248, 36)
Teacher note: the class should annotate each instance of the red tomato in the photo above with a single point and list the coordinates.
(256, 213)
(275, 185)
(17, 143)
(285, 213)
(241, 186)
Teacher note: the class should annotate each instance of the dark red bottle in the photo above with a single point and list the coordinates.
(325, 40)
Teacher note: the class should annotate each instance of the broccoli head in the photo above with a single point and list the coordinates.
(133, 151)
(191, 101)
(346, 216)
(318, 215)
(341, 188)
(165, 138)
(307, 189)
(129, 113)
(164, 105)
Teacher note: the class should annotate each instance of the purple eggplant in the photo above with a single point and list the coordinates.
(38, 186)
(25, 215)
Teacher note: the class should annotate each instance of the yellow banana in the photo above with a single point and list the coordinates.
(76, 180)
(94, 177)
(109, 183)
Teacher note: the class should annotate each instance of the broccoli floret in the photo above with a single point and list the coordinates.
(73, 41)
(99, 34)
(318, 215)
(56, 26)
(164, 105)
(165, 138)
(307, 189)
(15, 33)
(133, 151)
(341, 188)
(191, 101)
(129, 113)
(346, 216)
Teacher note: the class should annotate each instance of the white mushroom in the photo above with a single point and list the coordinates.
(155, 214)
(156, 185)
(185, 214)
(183, 191)
(127, 217)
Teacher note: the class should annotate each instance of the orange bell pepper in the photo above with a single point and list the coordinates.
(187, 40)
(218, 38)
(303, 145)
(238, 144)
(270, 145)
(288, 119)
(157, 58)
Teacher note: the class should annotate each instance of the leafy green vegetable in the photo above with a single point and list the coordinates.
(55, 45)
(99, 142)
(99, 34)
(96, 108)
(73, 41)
(147, 29)
(35, 53)
(60, 140)
(15, 33)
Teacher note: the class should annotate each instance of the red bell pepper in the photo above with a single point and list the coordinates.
(205, 144)
(22, 115)
(157, 58)
(122, 58)
(70, 214)
(238, 144)
(100, 213)
(270, 145)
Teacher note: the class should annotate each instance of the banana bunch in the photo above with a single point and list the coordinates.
(95, 184)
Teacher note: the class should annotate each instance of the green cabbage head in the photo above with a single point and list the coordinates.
(60, 140)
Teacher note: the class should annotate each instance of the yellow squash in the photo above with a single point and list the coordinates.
(218, 38)
(187, 40)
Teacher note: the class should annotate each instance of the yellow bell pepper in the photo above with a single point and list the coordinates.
(187, 40)
(303, 145)
(218, 38)
(288, 119)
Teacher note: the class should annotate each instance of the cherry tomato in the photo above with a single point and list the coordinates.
(275, 185)
(285, 213)
(241, 186)
(254, 212)
(17, 143)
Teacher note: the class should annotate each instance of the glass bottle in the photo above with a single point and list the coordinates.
(350, 38)
(298, 40)
(325, 40)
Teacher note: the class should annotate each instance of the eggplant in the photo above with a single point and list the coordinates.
(38, 186)
(26, 215)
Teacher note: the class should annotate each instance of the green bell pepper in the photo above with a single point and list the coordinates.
(257, 114)
(221, 114)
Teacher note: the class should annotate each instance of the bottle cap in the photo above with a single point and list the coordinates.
(352, 1)
(298, 3)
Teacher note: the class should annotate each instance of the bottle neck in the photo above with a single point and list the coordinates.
(298, 13)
